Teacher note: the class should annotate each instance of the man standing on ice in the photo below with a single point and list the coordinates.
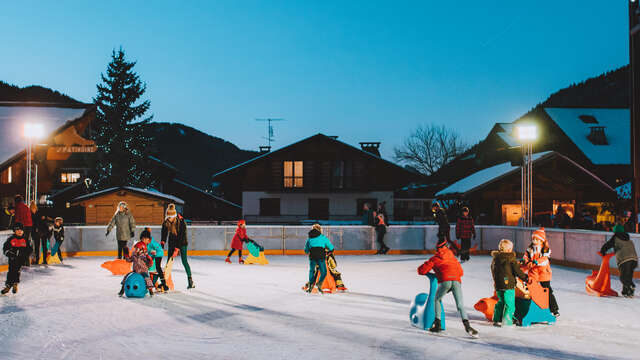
(125, 227)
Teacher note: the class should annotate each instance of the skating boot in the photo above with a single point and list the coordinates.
(385, 250)
(556, 314)
(6, 289)
(319, 287)
(227, 260)
(121, 292)
(341, 288)
(625, 290)
(15, 288)
(190, 286)
(310, 287)
(150, 292)
(436, 328)
(471, 331)
(240, 261)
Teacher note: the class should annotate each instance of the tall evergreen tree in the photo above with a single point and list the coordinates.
(120, 121)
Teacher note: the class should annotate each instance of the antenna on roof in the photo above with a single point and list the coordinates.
(269, 136)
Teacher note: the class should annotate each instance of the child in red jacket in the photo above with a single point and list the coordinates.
(236, 243)
(449, 273)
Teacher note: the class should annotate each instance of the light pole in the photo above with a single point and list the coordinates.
(527, 133)
(31, 131)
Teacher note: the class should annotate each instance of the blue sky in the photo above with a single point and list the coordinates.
(362, 70)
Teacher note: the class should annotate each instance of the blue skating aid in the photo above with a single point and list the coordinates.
(530, 313)
(135, 286)
(422, 312)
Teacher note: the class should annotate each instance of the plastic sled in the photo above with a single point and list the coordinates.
(135, 286)
(599, 282)
(529, 312)
(254, 248)
(167, 274)
(422, 312)
(486, 306)
(260, 259)
(117, 267)
(55, 259)
(328, 285)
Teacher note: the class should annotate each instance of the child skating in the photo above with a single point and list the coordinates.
(17, 250)
(449, 273)
(332, 268)
(236, 243)
(504, 270)
(315, 247)
(626, 258)
(141, 262)
(58, 236)
(536, 259)
(156, 253)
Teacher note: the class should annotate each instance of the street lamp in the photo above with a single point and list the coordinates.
(527, 134)
(32, 132)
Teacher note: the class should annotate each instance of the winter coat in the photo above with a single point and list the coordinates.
(465, 228)
(315, 245)
(239, 237)
(42, 224)
(58, 232)
(125, 225)
(442, 221)
(23, 214)
(16, 248)
(444, 264)
(623, 247)
(175, 240)
(381, 226)
(154, 246)
(537, 261)
(504, 269)
(140, 259)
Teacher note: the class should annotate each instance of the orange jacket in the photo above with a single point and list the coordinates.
(444, 264)
(536, 260)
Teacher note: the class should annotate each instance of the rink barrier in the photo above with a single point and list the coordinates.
(572, 248)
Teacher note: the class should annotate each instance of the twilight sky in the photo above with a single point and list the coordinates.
(362, 70)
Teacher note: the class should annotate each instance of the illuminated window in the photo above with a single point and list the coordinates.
(69, 177)
(7, 176)
(293, 176)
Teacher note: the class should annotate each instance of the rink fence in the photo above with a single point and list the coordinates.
(575, 248)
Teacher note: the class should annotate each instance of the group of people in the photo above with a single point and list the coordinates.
(30, 241)
(378, 219)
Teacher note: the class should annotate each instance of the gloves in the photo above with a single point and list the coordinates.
(162, 244)
(11, 253)
(133, 234)
(175, 253)
(535, 262)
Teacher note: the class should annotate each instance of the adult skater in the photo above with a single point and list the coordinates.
(465, 229)
(42, 231)
(449, 273)
(626, 258)
(443, 223)
(381, 231)
(125, 227)
(174, 231)
(58, 236)
(17, 249)
(536, 259)
(23, 216)
(315, 247)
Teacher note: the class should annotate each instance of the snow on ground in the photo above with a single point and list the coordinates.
(260, 312)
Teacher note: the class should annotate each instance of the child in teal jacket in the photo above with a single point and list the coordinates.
(315, 247)
(154, 249)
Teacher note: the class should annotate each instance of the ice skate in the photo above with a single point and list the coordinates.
(471, 331)
(15, 288)
(5, 290)
(227, 260)
(190, 280)
(240, 261)
(436, 328)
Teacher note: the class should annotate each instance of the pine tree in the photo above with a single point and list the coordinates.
(119, 131)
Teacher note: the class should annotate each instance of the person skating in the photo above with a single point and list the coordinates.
(236, 243)
(58, 236)
(504, 270)
(23, 216)
(449, 273)
(17, 249)
(141, 262)
(316, 247)
(536, 259)
(174, 231)
(465, 230)
(332, 268)
(381, 230)
(125, 225)
(443, 223)
(154, 249)
(42, 231)
(626, 257)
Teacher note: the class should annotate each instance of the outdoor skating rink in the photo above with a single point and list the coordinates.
(72, 311)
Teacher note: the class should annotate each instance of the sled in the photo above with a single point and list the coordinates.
(135, 286)
(117, 267)
(422, 311)
(532, 305)
(260, 259)
(486, 306)
(167, 274)
(599, 282)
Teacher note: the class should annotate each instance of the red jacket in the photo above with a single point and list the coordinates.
(23, 214)
(444, 264)
(465, 228)
(238, 238)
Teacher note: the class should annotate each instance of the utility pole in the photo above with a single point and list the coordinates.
(269, 136)
(634, 75)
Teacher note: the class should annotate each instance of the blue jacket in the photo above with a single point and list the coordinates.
(317, 240)
(153, 245)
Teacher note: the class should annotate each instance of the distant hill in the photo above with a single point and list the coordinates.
(34, 93)
(610, 89)
(196, 154)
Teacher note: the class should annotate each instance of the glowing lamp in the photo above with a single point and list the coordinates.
(33, 131)
(527, 133)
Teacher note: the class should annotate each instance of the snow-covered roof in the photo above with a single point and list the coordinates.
(508, 139)
(12, 119)
(149, 192)
(616, 123)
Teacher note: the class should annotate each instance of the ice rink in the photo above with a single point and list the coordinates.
(72, 311)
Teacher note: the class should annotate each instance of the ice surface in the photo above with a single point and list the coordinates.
(259, 312)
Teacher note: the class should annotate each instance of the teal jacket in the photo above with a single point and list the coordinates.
(317, 240)
(153, 245)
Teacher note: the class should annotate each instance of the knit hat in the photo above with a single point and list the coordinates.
(121, 203)
(58, 218)
(539, 235)
(618, 228)
(241, 222)
(18, 226)
(145, 234)
(465, 209)
(171, 211)
(441, 243)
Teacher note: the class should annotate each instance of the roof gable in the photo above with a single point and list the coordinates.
(145, 192)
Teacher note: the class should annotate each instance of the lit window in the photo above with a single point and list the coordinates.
(293, 176)
(69, 177)
(6, 177)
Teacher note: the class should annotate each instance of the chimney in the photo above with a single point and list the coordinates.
(371, 147)
(334, 137)
(265, 149)
(597, 135)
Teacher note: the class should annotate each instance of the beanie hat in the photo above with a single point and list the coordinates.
(441, 243)
(539, 235)
(618, 228)
(465, 209)
(18, 226)
(145, 234)
(241, 222)
(171, 211)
